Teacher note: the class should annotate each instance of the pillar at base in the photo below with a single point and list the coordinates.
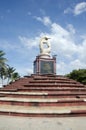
(45, 65)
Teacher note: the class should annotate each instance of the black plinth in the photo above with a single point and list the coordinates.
(45, 65)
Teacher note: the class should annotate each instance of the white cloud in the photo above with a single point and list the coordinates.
(38, 18)
(45, 20)
(29, 71)
(65, 68)
(69, 54)
(76, 64)
(71, 28)
(62, 41)
(61, 68)
(29, 42)
(67, 11)
(6, 45)
(80, 8)
(82, 51)
(77, 10)
(55, 28)
(24, 71)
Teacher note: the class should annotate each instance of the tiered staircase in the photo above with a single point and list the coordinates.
(43, 96)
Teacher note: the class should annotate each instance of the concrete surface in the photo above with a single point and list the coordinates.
(41, 110)
(34, 123)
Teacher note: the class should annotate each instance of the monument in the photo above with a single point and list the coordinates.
(44, 63)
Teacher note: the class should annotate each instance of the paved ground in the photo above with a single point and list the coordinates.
(34, 123)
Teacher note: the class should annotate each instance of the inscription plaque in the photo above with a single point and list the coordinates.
(46, 67)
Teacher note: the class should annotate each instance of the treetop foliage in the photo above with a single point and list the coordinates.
(7, 73)
(78, 75)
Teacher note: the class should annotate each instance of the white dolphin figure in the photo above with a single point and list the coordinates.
(43, 50)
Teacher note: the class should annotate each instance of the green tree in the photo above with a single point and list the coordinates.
(3, 66)
(7, 73)
(2, 74)
(11, 75)
(2, 59)
(15, 76)
(78, 75)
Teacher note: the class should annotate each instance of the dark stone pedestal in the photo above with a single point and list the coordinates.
(45, 65)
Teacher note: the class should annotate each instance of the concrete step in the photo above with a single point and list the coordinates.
(53, 85)
(24, 93)
(8, 89)
(42, 111)
(43, 94)
(46, 93)
(51, 89)
(42, 102)
(48, 88)
(53, 81)
(50, 78)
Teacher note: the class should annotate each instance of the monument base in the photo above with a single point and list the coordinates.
(44, 56)
(45, 65)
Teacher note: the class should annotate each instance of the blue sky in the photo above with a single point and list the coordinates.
(24, 22)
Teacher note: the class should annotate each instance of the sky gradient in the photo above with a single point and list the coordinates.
(24, 22)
